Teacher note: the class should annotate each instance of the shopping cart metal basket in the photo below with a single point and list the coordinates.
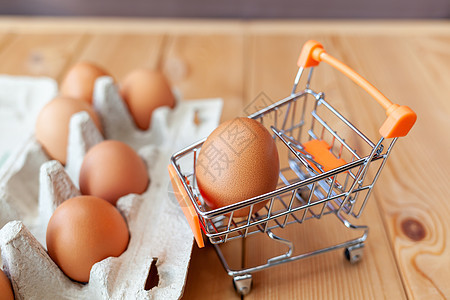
(331, 169)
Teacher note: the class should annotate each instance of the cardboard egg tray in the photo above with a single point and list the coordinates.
(32, 186)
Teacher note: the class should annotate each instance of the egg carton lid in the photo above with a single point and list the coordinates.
(32, 186)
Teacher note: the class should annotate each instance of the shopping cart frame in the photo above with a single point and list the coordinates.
(317, 191)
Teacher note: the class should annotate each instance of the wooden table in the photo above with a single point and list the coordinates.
(407, 254)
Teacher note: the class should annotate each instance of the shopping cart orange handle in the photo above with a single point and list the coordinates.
(400, 119)
(186, 205)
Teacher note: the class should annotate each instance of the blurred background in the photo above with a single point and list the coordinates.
(232, 8)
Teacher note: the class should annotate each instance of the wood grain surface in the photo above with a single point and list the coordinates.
(122, 53)
(407, 254)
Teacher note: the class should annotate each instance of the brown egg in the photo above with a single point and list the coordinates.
(238, 161)
(6, 292)
(79, 81)
(83, 231)
(52, 125)
(143, 91)
(112, 169)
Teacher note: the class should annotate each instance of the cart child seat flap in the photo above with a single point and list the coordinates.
(320, 152)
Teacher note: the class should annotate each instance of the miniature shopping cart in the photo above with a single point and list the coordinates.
(331, 169)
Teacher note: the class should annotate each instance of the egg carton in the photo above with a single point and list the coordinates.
(32, 186)
(21, 99)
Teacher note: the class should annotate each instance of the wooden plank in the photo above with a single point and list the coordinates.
(414, 197)
(5, 38)
(327, 276)
(208, 66)
(121, 53)
(206, 276)
(118, 25)
(408, 61)
(38, 54)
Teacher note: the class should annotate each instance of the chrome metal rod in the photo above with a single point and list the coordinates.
(279, 191)
(280, 103)
(348, 123)
(301, 159)
(283, 241)
(360, 173)
(297, 80)
(308, 82)
(194, 177)
(346, 244)
(334, 134)
(386, 155)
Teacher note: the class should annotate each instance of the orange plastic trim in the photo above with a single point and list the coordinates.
(309, 56)
(400, 118)
(320, 151)
(186, 206)
(399, 122)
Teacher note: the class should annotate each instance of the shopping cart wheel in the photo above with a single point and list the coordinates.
(354, 253)
(243, 284)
